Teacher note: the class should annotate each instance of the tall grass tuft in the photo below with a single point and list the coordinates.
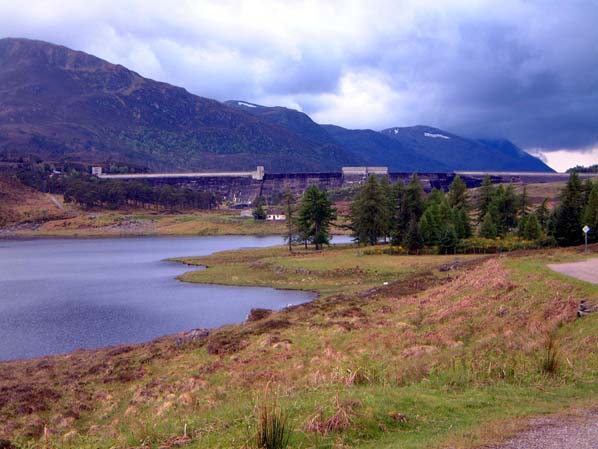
(551, 360)
(271, 427)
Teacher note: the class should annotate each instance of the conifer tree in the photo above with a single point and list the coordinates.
(504, 209)
(486, 193)
(288, 200)
(315, 217)
(436, 196)
(369, 213)
(462, 224)
(413, 239)
(259, 213)
(531, 228)
(410, 207)
(457, 196)
(488, 228)
(400, 217)
(590, 216)
(524, 203)
(542, 214)
(415, 199)
(459, 200)
(429, 226)
(389, 204)
(567, 220)
(448, 240)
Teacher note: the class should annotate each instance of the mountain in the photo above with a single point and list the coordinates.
(519, 158)
(461, 153)
(364, 145)
(295, 121)
(416, 148)
(63, 104)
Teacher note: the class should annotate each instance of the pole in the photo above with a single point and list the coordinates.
(586, 234)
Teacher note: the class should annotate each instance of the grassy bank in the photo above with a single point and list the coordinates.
(394, 353)
(144, 223)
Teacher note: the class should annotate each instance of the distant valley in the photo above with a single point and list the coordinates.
(64, 105)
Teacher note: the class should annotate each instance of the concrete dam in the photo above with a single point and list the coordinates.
(242, 188)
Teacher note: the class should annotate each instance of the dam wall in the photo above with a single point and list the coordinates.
(242, 188)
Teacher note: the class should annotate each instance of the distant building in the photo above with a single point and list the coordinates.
(275, 215)
(96, 171)
(364, 171)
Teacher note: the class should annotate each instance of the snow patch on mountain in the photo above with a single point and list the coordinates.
(247, 105)
(436, 136)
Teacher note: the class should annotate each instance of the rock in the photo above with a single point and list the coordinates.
(258, 314)
(585, 309)
(191, 336)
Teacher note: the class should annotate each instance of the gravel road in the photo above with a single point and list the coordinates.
(557, 432)
(586, 270)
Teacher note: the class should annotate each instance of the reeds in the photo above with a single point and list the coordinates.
(271, 426)
(551, 363)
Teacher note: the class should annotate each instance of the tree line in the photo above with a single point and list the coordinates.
(113, 194)
(402, 214)
(89, 191)
(405, 216)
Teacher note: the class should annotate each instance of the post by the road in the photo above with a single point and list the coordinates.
(585, 230)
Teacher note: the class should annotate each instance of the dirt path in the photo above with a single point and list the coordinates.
(586, 270)
(56, 202)
(557, 432)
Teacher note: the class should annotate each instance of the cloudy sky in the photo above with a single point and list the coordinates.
(524, 70)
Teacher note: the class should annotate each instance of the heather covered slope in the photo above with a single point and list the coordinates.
(393, 354)
(63, 104)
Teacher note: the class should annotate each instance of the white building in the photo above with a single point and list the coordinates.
(275, 216)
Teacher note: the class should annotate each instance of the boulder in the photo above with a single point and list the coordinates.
(258, 314)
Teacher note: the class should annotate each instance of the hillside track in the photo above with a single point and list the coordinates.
(586, 270)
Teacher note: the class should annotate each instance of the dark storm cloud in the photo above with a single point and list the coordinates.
(524, 70)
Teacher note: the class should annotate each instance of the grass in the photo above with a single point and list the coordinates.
(392, 354)
(344, 269)
(19, 203)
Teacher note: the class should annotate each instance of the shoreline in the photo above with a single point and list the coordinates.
(177, 278)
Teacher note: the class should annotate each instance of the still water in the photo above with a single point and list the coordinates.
(59, 295)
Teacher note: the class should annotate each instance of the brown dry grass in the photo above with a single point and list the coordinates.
(20, 203)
